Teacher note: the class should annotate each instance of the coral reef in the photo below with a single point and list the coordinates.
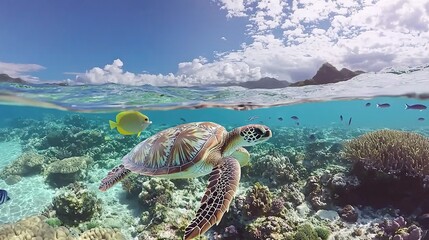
(307, 232)
(102, 233)
(76, 204)
(33, 228)
(317, 194)
(348, 213)
(398, 229)
(258, 201)
(275, 170)
(391, 151)
(66, 171)
(133, 184)
(271, 227)
(156, 191)
(28, 163)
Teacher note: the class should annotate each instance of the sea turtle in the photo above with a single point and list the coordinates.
(193, 150)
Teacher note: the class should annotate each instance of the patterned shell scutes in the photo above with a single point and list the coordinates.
(174, 149)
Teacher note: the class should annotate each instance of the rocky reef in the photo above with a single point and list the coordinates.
(66, 171)
(29, 163)
(76, 204)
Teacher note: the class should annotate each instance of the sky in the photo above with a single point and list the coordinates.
(193, 42)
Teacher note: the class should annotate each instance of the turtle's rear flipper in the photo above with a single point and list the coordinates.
(115, 175)
(223, 183)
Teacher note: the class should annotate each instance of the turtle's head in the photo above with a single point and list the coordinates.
(253, 134)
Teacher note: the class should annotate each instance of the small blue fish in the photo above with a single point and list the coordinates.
(3, 196)
(294, 118)
(415, 106)
(280, 119)
(421, 119)
(341, 118)
(383, 105)
(350, 121)
(367, 104)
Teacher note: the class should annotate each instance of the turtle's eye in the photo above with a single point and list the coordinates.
(258, 131)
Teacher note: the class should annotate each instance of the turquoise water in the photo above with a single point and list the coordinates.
(320, 114)
(76, 118)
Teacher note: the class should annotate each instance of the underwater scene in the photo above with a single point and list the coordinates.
(214, 120)
(101, 167)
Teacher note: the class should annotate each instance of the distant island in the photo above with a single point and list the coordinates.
(326, 74)
(6, 78)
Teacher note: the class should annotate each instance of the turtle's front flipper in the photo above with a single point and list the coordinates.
(223, 183)
(115, 175)
(242, 156)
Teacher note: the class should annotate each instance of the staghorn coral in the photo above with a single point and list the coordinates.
(76, 204)
(258, 201)
(101, 233)
(66, 171)
(28, 163)
(391, 151)
(33, 228)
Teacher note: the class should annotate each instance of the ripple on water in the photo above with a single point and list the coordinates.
(29, 197)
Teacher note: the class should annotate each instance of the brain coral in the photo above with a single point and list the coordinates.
(33, 228)
(391, 151)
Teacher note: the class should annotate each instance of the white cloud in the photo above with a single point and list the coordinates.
(291, 39)
(223, 38)
(196, 72)
(20, 70)
(367, 35)
(234, 8)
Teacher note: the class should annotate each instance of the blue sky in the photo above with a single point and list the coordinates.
(153, 36)
(190, 42)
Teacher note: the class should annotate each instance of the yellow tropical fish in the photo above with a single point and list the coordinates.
(130, 123)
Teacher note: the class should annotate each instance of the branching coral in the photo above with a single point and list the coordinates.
(391, 151)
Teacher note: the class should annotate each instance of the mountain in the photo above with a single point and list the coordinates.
(328, 74)
(6, 78)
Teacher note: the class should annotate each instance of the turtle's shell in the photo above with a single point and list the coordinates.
(175, 149)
